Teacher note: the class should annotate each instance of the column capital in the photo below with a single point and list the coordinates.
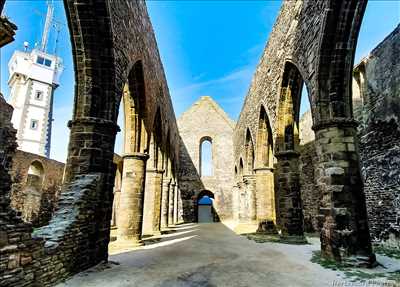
(335, 122)
(136, 155)
(94, 121)
(154, 170)
(271, 169)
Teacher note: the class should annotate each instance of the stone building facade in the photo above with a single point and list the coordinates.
(78, 234)
(312, 43)
(376, 102)
(376, 81)
(206, 121)
(36, 186)
(305, 47)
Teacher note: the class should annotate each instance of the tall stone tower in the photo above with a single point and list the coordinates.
(33, 78)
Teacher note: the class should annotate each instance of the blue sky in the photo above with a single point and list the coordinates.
(207, 48)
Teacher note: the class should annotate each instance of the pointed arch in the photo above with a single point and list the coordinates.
(241, 167)
(289, 109)
(336, 59)
(135, 136)
(249, 147)
(264, 144)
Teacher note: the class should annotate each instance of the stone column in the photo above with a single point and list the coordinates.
(148, 203)
(345, 234)
(250, 185)
(290, 213)
(171, 203)
(242, 202)
(152, 202)
(164, 202)
(157, 202)
(235, 202)
(180, 206)
(130, 217)
(114, 217)
(265, 194)
(176, 204)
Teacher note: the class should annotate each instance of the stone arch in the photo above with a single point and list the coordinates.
(209, 194)
(89, 168)
(336, 60)
(344, 233)
(33, 191)
(287, 137)
(249, 149)
(264, 144)
(134, 99)
(95, 92)
(241, 167)
(287, 179)
(136, 153)
(201, 142)
(156, 141)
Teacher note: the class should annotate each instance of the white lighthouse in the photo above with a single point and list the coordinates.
(33, 78)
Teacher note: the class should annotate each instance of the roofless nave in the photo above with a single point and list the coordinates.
(265, 177)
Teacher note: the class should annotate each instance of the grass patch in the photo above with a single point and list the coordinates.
(389, 252)
(275, 238)
(352, 273)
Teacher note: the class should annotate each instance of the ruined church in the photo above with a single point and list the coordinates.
(326, 181)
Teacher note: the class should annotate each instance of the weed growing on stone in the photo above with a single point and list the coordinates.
(389, 252)
(354, 274)
(275, 238)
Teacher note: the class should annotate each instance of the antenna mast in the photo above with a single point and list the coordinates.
(47, 25)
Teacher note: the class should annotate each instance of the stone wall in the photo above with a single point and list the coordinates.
(78, 234)
(377, 80)
(206, 120)
(36, 204)
(376, 102)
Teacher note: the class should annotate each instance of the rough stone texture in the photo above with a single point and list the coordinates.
(206, 120)
(36, 205)
(78, 234)
(377, 82)
(314, 42)
(376, 101)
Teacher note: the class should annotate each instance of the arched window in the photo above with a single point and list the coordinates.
(249, 153)
(289, 108)
(264, 149)
(206, 161)
(35, 174)
(240, 167)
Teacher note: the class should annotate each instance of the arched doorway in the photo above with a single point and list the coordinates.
(205, 209)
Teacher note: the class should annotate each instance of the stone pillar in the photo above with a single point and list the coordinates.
(345, 234)
(157, 202)
(176, 204)
(290, 213)
(250, 185)
(171, 203)
(265, 194)
(130, 217)
(164, 202)
(242, 203)
(114, 217)
(235, 202)
(180, 207)
(152, 194)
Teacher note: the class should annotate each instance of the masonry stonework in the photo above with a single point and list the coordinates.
(35, 202)
(78, 234)
(205, 120)
(305, 47)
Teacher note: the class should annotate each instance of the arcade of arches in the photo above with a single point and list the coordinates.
(267, 173)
